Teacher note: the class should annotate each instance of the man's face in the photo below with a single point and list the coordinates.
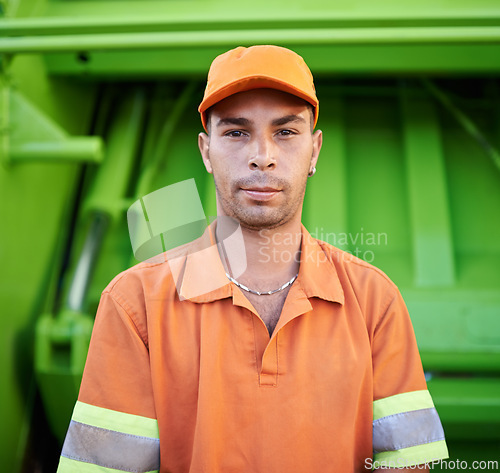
(260, 149)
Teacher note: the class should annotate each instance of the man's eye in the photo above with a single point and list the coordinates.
(234, 133)
(286, 132)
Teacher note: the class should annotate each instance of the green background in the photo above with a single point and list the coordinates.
(98, 108)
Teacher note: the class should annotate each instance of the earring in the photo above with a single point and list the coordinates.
(312, 172)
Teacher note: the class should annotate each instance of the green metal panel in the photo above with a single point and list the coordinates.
(161, 37)
(428, 196)
(470, 405)
(37, 200)
(329, 185)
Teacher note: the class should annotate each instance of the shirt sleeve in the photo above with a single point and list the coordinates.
(407, 430)
(114, 423)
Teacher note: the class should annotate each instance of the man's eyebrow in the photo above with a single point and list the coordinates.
(287, 119)
(234, 121)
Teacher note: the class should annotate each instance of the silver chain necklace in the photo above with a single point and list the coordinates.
(262, 293)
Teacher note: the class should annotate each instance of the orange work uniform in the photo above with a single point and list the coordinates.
(196, 381)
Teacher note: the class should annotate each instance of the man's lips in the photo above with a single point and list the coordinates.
(261, 193)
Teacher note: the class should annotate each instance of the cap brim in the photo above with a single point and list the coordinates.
(250, 83)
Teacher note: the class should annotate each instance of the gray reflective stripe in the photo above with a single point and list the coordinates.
(111, 449)
(406, 429)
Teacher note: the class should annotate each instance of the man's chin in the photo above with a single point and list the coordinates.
(261, 220)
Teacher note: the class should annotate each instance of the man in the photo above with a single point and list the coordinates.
(305, 361)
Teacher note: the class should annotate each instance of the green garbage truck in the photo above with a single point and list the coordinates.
(98, 108)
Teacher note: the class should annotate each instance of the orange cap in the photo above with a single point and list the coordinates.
(258, 67)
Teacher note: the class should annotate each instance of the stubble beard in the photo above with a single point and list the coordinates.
(260, 215)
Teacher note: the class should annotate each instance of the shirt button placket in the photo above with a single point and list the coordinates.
(268, 375)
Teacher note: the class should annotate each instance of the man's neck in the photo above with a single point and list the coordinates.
(272, 256)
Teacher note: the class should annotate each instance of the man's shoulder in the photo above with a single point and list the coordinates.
(355, 270)
(135, 274)
(365, 286)
(156, 273)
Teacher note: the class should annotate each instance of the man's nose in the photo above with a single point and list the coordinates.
(262, 155)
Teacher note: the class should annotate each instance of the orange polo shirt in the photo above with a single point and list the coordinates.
(227, 397)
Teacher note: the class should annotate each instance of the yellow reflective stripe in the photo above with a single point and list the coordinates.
(114, 420)
(66, 465)
(405, 402)
(411, 456)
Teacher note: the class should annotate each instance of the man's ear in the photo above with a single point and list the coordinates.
(204, 144)
(317, 143)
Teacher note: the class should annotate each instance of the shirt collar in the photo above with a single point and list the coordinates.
(201, 276)
(317, 274)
